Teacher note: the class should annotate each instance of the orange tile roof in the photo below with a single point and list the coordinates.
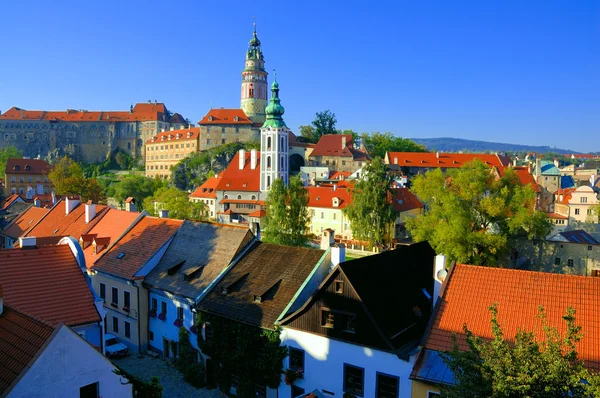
(234, 179)
(405, 200)
(25, 221)
(208, 189)
(176, 135)
(106, 231)
(564, 195)
(470, 291)
(27, 166)
(524, 175)
(332, 145)
(583, 156)
(141, 112)
(47, 283)
(21, 339)
(339, 175)
(445, 160)
(225, 116)
(10, 200)
(137, 246)
(323, 197)
(258, 214)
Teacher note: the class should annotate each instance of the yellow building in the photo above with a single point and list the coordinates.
(575, 204)
(167, 149)
(28, 177)
(207, 194)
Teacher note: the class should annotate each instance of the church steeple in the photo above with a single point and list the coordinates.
(275, 110)
(254, 82)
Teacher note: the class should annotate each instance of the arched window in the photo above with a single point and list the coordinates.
(268, 142)
(226, 197)
(268, 162)
(268, 181)
(282, 164)
(239, 197)
(282, 144)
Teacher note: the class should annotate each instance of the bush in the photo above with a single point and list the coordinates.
(192, 371)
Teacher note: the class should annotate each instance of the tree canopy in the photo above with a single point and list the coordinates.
(139, 187)
(324, 123)
(68, 179)
(9, 152)
(471, 214)
(377, 144)
(176, 202)
(371, 213)
(521, 368)
(287, 218)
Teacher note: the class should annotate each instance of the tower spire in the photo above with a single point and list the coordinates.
(274, 110)
(254, 82)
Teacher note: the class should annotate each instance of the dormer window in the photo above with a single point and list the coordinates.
(27, 167)
(235, 118)
(210, 118)
(336, 202)
(17, 168)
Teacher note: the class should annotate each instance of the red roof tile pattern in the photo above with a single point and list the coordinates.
(338, 145)
(225, 116)
(21, 338)
(557, 216)
(27, 166)
(404, 200)
(208, 189)
(247, 179)
(258, 214)
(140, 112)
(176, 135)
(444, 160)
(471, 290)
(10, 200)
(47, 283)
(583, 156)
(137, 246)
(339, 175)
(323, 197)
(25, 221)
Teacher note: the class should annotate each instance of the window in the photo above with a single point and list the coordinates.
(297, 391)
(127, 329)
(354, 379)
(163, 307)
(387, 386)
(589, 247)
(596, 272)
(570, 262)
(322, 215)
(239, 197)
(151, 335)
(327, 319)
(154, 306)
(115, 296)
(180, 313)
(89, 391)
(576, 211)
(126, 300)
(349, 323)
(103, 291)
(115, 324)
(557, 261)
(339, 286)
(334, 216)
(296, 361)
(583, 199)
(431, 394)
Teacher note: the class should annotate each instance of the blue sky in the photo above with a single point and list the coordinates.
(523, 72)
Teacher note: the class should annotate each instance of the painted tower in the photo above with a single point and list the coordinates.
(274, 136)
(254, 82)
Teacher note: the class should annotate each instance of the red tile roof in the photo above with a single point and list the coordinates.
(208, 189)
(333, 145)
(258, 214)
(564, 195)
(405, 200)
(225, 116)
(339, 175)
(47, 283)
(21, 338)
(27, 166)
(137, 246)
(558, 216)
(176, 135)
(234, 179)
(443, 160)
(323, 196)
(140, 112)
(25, 221)
(471, 290)
(10, 200)
(583, 156)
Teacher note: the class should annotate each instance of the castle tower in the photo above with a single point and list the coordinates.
(254, 82)
(274, 136)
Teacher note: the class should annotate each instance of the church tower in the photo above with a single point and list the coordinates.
(254, 82)
(274, 136)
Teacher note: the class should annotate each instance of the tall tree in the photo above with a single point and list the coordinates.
(176, 202)
(324, 123)
(471, 214)
(520, 368)
(371, 213)
(287, 217)
(139, 187)
(68, 179)
(377, 144)
(9, 152)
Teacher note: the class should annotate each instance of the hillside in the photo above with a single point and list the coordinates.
(447, 144)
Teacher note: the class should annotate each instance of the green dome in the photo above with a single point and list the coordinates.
(254, 42)
(274, 110)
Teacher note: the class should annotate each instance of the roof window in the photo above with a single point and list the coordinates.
(174, 268)
(120, 255)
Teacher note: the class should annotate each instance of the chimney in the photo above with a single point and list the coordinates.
(253, 159)
(28, 241)
(439, 274)
(53, 194)
(338, 254)
(130, 204)
(90, 211)
(515, 162)
(172, 128)
(163, 213)
(37, 202)
(437, 154)
(70, 204)
(395, 160)
(242, 159)
(538, 167)
(343, 141)
(556, 163)
(327, 239)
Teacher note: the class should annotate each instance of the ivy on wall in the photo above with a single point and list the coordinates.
(252, 355)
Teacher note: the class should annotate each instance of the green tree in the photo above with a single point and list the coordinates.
(176, 202)
(193, 371)
(65, 176)
(377, 144)
(287, 217)
(371, 213)
(138, 187)
(594, 217)
(521, 368)
(9, 152)
(307, 133)
(324, 123)
(141, 388)
(471, 214)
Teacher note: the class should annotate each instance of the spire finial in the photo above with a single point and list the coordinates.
(274, 74)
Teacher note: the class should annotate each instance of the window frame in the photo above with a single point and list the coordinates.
(297, 351)
(115, 322)
(348, 390)
(114, 298)
(127, 329)
(126, 299)
(102, 291)
(377, 378)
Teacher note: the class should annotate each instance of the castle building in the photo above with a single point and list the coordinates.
(254, 82)
(167, 149)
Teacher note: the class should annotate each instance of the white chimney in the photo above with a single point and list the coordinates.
(395, 160)
(439, 274)
(130, 204)
(242, 159)
(28, 241)
(327, 239)
(37, 202)
(163, 213)
(70, 204)
(338, 254)
(343, 142)
(90, 211)
(172, 128)
(538, 167)
(53, 194)
(253, 159)
(437, 154)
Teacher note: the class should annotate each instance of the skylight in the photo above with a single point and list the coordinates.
(120, 255)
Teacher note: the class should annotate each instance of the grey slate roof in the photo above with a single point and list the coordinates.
(198, 253)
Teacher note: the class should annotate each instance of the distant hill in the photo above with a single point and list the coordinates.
(446, 144)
